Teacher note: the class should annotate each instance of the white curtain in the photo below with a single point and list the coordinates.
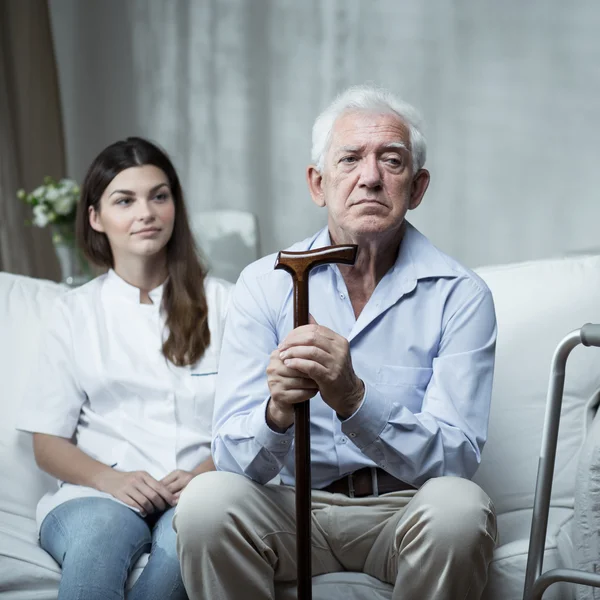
(230, 88)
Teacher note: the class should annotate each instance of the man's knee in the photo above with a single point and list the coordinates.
(455, 511)
(208, 505)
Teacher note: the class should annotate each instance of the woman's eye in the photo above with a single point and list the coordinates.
(163, 197)
(123, 201)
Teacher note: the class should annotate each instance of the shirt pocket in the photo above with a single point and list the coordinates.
(203, 381)
(406, 385)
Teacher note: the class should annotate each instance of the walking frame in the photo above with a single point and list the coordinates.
(536, 582)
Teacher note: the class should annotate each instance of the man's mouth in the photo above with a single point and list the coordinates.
(369, 201)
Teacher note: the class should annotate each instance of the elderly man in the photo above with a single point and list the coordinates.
(398, 360)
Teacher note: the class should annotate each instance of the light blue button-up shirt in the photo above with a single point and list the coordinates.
(424, 346)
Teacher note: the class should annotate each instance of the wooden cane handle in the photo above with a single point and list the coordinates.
(299, 265)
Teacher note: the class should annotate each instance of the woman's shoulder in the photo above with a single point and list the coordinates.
(82, 294)
(218, 293)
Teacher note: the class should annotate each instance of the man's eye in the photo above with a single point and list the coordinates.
(348, 159)
(394, 162)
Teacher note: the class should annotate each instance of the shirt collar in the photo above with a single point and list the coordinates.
(417, 258)
(117, 286)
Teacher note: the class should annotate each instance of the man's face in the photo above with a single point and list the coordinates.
(367, 181)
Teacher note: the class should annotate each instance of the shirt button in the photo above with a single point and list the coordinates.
(343, 440)
(382, 464)
(284, 442)
(352, 435)
(342, 296)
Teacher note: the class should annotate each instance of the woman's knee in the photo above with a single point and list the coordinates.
(98, 523)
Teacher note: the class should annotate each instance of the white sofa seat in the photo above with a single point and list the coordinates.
(537, 303)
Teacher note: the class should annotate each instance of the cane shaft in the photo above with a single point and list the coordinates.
(302, 459)
(303, 499)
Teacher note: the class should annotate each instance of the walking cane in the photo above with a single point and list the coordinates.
(298, 265)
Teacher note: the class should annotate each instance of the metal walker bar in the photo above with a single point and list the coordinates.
(536, 583)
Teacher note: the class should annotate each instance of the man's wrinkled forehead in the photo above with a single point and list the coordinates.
(386, 146)
(356, 128)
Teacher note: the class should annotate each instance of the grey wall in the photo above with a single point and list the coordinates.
(230, 88)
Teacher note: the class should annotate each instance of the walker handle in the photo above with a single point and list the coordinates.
(590, 334)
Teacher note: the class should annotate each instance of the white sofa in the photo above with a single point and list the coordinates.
(537, 303)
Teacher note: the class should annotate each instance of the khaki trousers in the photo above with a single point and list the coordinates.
(237, 538)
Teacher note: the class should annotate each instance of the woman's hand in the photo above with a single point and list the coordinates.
(176, 481)
(137, 489)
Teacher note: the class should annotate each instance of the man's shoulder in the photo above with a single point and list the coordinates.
(463, 273)
(431, 262)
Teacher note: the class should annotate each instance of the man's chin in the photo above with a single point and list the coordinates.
(370, 226)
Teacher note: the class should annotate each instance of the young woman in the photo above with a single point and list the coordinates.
(122, 406)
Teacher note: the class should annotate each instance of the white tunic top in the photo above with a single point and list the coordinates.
(103, 378)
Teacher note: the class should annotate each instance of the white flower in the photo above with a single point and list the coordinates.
(40, 216)
(68, 185)
(52, 195)
(64, 204)
(38, 193)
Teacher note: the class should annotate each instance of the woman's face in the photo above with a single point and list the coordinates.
(137, 213)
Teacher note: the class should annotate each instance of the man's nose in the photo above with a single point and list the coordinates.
(370, 175)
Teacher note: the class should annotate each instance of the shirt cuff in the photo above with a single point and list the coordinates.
(275, 443)
(365, 426)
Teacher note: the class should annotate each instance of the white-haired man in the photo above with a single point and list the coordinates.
(399, 362)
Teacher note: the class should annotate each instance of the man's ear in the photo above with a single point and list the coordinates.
(419, 186)
(315, 185)
(94, 218)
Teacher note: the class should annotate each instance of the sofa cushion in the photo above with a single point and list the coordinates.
(586, 522)
(24, 304)
(506, 575)
(537, 304)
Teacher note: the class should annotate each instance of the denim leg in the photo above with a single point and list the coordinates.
(95, 541)
(161, 577)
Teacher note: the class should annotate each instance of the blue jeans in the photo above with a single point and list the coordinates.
(97, 541)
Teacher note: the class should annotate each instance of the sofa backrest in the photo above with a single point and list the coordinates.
(537, 304)
(24, 302)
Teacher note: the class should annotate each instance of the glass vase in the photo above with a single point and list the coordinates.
(74, 268)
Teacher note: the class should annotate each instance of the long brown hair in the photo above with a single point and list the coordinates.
(184, 301)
